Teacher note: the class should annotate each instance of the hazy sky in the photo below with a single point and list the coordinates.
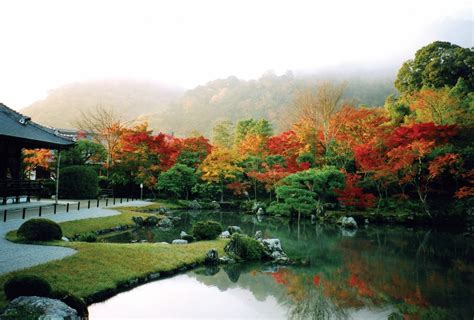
(45, 44)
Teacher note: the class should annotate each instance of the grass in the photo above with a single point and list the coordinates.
(98, 267)
(71, 228)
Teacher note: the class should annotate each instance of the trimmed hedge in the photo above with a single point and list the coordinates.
(245, 247)
(27, 285)
(40, 230)
(206, 230)
(78, 182)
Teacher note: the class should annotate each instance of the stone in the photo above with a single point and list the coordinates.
(366, 221)
(224, 235)
(194, 205)
(313, 219)
(183, 234)
(348, 222)
(212, 257)
(274, 250)
(39, 308)
(179, 241)
(260, 211)
(65, 239)
(154, 276)
(215, 205)
(234, 229)
(259, 235)
(165, 223)
(226, 260)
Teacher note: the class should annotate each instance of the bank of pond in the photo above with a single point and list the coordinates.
(371, 271)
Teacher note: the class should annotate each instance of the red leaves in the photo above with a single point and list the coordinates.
(405, 135)
(354, 196)
(316, 280)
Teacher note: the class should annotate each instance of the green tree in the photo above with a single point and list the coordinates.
(223, 135)
(178, 180)
(254, 127)
(84, 152)
(322, 182)
(293, 200)
(435, 66)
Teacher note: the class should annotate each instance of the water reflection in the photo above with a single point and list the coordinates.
(373, 272)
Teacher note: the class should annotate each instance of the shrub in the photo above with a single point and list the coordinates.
(245, 247)
(27, 285)
(206, 230)
(73, 301)
(78, 182)
(40, 230)
(87, 237)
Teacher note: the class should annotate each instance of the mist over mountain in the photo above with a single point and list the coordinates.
(175, 111)
(129, 99)
(269, 97)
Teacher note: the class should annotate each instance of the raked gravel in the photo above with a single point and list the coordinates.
(14, 256)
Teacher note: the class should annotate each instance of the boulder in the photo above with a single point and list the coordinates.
(226, 260)
(348, 222)
(259, 235)
(183, 234)
(274, 250)
(224, 235)
(215, 205)
(212, 257)
(260, 211)
(38, 308)
(234, 229)
(165, 223)
(65, 239)
(179, 241)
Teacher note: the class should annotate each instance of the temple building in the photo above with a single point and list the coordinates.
(18, 132)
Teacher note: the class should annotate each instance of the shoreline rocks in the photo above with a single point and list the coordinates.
(38, 307)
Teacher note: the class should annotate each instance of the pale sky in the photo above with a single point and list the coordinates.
(46, 44)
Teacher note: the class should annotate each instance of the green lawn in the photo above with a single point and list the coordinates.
(101, 266)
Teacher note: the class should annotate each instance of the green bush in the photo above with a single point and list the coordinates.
(26, 285)
(245, 247)
(87, 237)
(73, 301)
(78, 182)
(40, 230)
(206, 230)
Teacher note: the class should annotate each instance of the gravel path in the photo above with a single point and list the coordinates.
(15, 256)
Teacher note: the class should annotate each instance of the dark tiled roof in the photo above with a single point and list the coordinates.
(17, 126)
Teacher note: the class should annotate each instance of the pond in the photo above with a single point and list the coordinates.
(370, 273)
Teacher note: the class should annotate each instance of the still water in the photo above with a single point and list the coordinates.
(374, 272)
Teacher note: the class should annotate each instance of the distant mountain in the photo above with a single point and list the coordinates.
(268, 97)
(174, 111)
(127, 98)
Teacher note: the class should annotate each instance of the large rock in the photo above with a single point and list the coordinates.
(224, 235)
(212, 257)
(274, 250)
(259, 235)
(165, 223)
(234, 229)
(38, 308)
(348, 222)
(179, 241)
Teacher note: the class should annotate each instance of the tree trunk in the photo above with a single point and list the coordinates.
(222, 191)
